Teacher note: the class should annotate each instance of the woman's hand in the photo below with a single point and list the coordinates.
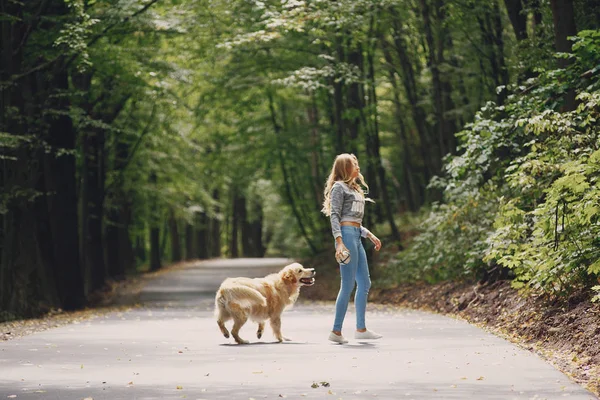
(340, 247)
(375, 241)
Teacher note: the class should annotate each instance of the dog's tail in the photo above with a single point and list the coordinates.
(243, 296)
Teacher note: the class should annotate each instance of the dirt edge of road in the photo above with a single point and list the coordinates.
(566, 334)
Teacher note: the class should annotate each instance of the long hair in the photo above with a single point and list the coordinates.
(342, 171)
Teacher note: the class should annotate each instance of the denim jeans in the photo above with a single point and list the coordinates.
(357, 270)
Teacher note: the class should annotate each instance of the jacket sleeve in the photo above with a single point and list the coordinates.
(364, 232)
(337, 202)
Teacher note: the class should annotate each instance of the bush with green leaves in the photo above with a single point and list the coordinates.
(523, 191)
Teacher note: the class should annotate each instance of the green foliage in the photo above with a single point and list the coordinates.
(451, 243)
(524, 192)
(74, 35)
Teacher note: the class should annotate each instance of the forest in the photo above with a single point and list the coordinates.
(140, 133)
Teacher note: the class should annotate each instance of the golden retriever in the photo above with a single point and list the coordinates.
(260, 299)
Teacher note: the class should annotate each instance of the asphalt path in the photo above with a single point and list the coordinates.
(171, 348)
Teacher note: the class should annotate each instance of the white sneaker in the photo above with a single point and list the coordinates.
(337, 338)
(367, 335)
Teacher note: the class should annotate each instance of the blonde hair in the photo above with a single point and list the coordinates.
(342, 168)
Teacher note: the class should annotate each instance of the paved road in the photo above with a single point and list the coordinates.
(172, 349)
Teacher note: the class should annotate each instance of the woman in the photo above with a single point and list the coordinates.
(344, 204)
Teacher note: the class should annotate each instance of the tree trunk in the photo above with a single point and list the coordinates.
(46, 254)
(155, 262)
(164, 238)
(374, 145)
(462, 90)
(215, 230)
(338, 102)
(444, 43)
(190, 254)
(114, 265)
(256, 230)
(517, 17)
(490, 26)
(126, 253)
(537, 13)
(202, 247)
(235, 223)
(412, 193)
(93, 156)
(563, 15)
(430, 160)
(140, 247)
(242, 214)
(61, 189)
(313, 119)
(499, 42)
(119, 249)
(120, 255)
(355, 103)
(252, 245)
(175, 241)
(437, 96)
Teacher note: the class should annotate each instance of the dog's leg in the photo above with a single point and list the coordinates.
(276, 325)
(261, 328)
(222, 317)
(222, 327)
(239, 319)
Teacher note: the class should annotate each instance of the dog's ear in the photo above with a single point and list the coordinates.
(289, 277)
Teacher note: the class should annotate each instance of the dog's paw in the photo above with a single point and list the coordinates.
(226, 334)
(259, 334)
(287, 339)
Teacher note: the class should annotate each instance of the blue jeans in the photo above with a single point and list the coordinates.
(357, 270)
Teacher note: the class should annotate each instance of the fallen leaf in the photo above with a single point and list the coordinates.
(480, 378)
(325, 384)
(329, 391)
(179, 387)
(314, 385)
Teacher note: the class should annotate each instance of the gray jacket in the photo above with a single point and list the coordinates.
(346, 205)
